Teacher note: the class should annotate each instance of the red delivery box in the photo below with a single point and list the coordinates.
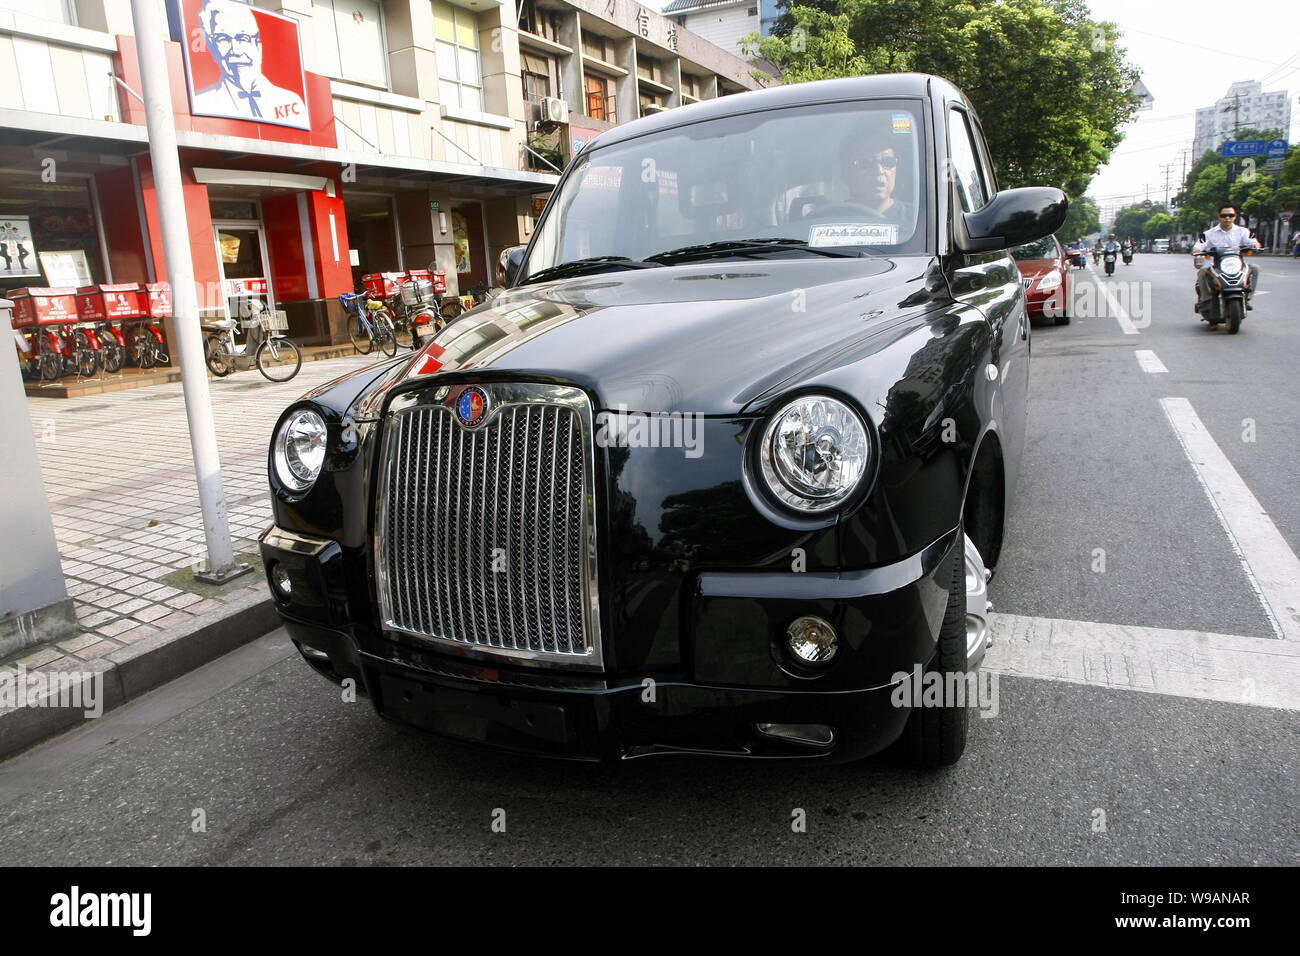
(383, 284)
(97, 303)
(39, 306)
(158, 299)
(437, 277)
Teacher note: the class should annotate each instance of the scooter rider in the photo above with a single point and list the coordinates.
(1227, 235)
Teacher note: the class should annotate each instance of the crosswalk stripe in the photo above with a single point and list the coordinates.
(1199, 664)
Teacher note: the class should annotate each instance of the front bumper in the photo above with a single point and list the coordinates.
(729, 683)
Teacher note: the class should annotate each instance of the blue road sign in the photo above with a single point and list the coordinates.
(1245, 147)
(1277, 149)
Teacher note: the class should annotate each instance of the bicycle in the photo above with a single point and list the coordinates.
(370, 323)
(276, 356)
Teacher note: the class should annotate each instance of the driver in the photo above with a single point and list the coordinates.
(869, 158)
(1111, 244)
(1228, 235)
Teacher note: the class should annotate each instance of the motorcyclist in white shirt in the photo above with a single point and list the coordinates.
(1227, 235)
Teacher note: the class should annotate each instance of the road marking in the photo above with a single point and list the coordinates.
(1121, 316)
(1270, 565)
(1147, 359)
(1199, 664)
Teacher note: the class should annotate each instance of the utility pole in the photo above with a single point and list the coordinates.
(1167, 167)
(149, 39)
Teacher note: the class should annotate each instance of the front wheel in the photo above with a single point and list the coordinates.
(220, 362)
(1234, 312)
(385, 335)
(278, 359)
(935, 735)
(359, 332)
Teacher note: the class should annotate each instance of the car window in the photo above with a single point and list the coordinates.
(1041, 249)
(964, 171)
(846, 174)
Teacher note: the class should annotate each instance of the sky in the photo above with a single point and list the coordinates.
(1179, 47)
(1189, 52)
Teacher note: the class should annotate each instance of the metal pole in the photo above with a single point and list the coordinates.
(150, 34)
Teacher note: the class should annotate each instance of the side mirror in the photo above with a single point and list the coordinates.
(1012, 218)
(512, 258)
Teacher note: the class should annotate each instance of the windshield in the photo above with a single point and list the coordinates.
(846, 177)
(1044, 248)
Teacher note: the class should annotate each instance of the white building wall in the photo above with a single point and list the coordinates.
(725, 27)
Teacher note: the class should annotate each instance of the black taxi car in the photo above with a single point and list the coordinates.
(721, 468)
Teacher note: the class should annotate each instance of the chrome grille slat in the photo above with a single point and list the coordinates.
(451, 496)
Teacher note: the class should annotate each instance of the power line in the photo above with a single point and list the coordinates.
(1208, 49)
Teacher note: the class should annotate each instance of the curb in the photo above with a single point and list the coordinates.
(131, 671)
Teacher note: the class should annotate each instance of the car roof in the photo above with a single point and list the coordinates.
(889, 85)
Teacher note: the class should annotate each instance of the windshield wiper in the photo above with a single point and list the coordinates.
(578, 266)
(731, 247)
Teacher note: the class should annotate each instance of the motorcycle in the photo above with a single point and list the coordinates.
(1110, 262)
(1127, 255)
(1079, 259)
(1230, 280)
(1096, 256)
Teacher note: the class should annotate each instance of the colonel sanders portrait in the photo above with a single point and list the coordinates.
(234, 40)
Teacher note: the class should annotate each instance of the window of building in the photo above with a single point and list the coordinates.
(650, 69)
(460, 78)
(595, 45)
(600, 99)
(349, 38)
(692, 85)
(651, 103)
(543, 23)
(537, 77)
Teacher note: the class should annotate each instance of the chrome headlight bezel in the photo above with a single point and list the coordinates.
(789, 486)
(295, 474)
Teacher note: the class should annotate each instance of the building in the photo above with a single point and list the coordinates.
(724, 22)
(1246, 105)
(320, 140)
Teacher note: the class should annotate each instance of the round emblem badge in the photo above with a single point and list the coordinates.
(472, 406)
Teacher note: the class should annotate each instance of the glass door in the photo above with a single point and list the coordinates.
(246, 281)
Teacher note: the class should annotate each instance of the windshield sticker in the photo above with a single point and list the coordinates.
(854, 234)
(902, 122)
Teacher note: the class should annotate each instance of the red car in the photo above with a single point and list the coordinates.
(1045, 275)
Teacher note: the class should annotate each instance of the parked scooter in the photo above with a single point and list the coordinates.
(1230, 280)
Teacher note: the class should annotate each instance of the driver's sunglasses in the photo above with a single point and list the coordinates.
(885, 162)
(1227, 215)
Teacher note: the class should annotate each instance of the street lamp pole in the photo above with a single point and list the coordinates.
(149, 39)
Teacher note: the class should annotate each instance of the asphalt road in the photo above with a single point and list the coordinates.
(282, 771)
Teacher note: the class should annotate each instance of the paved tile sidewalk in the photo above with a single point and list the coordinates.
(120, 482)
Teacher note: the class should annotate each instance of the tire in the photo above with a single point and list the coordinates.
(403, 333)
(1234, 310)
(279, 359)
(936, 736)
(50, 367)
(385, 335)
(218, 358)
(451, 309)
(361, 337)
(85, 355)
(114, 356)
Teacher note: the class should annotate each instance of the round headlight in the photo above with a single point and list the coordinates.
(1230, 265)
(815, 452)
(300, 449)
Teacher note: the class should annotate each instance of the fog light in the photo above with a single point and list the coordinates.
(812, 640)
(813, 735)
(280, 578)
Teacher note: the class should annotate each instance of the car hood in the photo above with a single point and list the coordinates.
(1033, 268)
(709, 338)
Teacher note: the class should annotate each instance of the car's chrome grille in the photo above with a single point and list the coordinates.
(485, 538)
(1026, 281)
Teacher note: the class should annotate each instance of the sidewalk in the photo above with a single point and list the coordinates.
(120, 482)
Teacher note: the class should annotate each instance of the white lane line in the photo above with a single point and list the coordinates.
(1149, 362)
(1121, 314)
(1199, 664)
(1271, 566)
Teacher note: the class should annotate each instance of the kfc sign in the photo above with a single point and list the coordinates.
(241, 62)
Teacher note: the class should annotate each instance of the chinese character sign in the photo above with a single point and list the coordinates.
(242, 62)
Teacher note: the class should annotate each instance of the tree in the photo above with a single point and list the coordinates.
(1083, 219)
(1131, 223)
(1051, 86)
(1206, 187)
(1159, 225)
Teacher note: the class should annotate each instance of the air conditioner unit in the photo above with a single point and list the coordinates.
(554, 110)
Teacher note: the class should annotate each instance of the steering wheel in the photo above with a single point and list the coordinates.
(842, 209)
